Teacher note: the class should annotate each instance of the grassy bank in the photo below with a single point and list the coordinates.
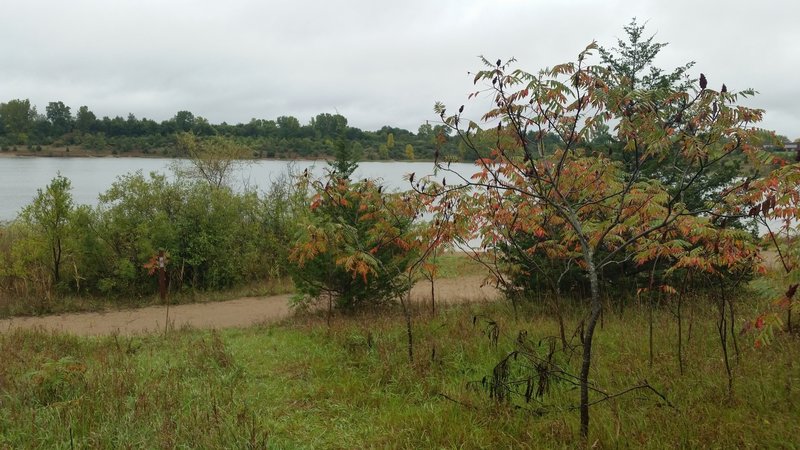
(302, 384)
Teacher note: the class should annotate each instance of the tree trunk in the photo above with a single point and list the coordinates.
(57, 261)
(597, 308)
(733, 328)
(409, 331)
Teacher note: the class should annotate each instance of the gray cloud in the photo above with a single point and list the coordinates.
(378, 63)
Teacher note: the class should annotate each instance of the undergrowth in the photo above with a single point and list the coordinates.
(304, 384)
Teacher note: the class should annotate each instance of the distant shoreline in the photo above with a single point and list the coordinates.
(78, 152)
(10, 155)
(63, 152)
(81, 153)
(72, 152)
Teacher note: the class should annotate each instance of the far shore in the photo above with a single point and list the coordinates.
(78, 152)
(74, 152)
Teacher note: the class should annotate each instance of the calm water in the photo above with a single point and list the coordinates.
(21, 177)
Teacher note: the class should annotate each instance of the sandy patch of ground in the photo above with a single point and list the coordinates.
(241, 312)
(772, 260)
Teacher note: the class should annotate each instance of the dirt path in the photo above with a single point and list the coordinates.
(233, 313)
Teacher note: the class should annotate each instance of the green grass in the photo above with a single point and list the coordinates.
(300, 384)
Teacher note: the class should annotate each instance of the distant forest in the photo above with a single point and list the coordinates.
(22, 126)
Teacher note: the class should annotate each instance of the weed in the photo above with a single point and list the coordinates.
(304, 384)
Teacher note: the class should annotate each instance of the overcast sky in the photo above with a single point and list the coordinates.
(376, 62)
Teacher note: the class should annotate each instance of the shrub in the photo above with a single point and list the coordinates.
(355, 245)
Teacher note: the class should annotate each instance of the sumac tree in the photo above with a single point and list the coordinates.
(774, 201)
(355, 245)
(584, 208)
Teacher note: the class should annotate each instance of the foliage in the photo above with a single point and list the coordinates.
(774, 201)
(630, 72)
(355, 244)
(284, 137)
(409, 152)
(212, 160)
(631, 57)
(584, 208)
(48, 217)
(632, 64)
(217, 238)
(345, 162)
(84, 119)
(17, 117)
(283, 385)
(60, 117)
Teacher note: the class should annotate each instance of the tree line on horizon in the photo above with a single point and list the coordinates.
(21, 124)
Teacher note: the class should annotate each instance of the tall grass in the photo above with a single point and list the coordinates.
(303, 384)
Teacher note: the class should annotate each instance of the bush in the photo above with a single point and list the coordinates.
(356, 245)
(215, 238)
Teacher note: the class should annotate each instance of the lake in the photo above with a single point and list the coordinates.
(20, 177)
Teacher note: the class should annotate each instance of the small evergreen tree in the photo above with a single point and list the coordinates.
(345, 162)
(632, 62)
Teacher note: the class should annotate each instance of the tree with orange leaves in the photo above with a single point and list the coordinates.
(583, 208)
(356, 244)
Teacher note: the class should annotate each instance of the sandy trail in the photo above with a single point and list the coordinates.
(241, 312)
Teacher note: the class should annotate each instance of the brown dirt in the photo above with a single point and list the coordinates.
(241, 312)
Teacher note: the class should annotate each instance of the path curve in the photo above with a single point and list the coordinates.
(241, 312)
